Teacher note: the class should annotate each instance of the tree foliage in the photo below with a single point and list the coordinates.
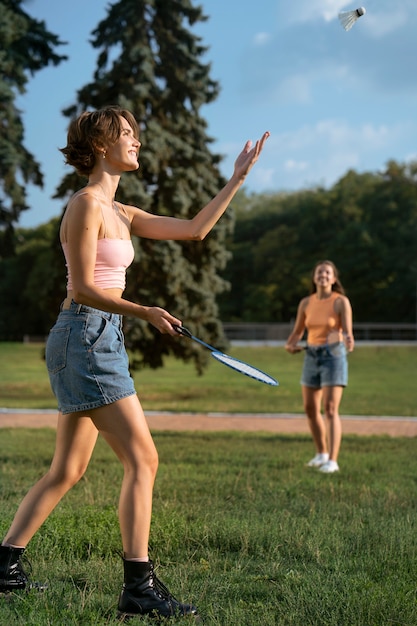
(149, 61)
(26, 46)
(366, 224)
(26, 281)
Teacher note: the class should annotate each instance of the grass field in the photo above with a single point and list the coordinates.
(240, 527)
(381, 382)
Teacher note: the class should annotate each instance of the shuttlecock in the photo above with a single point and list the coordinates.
(348, 18)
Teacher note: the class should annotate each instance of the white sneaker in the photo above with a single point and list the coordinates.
(329, 467)
(320, 459)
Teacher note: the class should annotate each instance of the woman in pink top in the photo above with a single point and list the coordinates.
(324, 375)
(86, 357)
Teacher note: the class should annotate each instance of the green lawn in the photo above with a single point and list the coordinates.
(240, 527)
(382, 382)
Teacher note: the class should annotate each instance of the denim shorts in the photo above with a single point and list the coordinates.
(322, 369)
(86, 359)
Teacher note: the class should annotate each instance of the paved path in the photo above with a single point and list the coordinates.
(276, 422)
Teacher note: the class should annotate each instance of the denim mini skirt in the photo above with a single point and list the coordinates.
(322, 369)
(87, 362)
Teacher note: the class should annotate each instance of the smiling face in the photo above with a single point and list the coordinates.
(122, 156)
(324, 276)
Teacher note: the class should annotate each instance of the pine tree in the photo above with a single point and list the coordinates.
(149, 62)
(26, 46)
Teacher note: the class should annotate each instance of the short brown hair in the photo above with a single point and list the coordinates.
(92, 132)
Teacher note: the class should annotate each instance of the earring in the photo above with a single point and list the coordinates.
(104, 154)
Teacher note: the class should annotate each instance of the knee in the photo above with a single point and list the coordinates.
(69, 476)
(143, 463)
(152, 462)
(330, 410)
(307, 409)
(310, 410)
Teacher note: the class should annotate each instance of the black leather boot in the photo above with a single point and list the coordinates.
(144, 594)
(12, 574)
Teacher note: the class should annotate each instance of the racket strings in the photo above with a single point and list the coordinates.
(244, 368)
(239, 366)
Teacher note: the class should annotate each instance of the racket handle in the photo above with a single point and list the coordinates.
(181, 330)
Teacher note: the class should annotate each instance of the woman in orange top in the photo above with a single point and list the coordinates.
(324, 375)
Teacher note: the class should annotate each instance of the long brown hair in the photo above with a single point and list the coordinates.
(91, 133)
(337, 285)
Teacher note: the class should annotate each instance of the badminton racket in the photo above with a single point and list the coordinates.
(235, 364)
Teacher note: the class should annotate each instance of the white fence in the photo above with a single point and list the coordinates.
(280, 332)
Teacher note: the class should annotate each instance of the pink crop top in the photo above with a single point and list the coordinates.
(113, 258)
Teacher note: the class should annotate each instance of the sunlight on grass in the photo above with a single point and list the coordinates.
(381, 382)
(240, 527)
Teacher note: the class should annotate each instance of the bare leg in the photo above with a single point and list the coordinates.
(75, 440)
(312, 407)
(124, 427)
(332, 397)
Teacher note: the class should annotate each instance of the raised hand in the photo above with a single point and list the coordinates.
(249, 156)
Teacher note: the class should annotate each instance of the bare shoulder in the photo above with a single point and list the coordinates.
(304, 303)
(83, 200)
(83, 210)
(134, 212)
(341, 303)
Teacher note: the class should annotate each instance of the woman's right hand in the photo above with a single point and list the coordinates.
(162, 320)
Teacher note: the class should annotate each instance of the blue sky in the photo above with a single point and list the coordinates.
(332, 100)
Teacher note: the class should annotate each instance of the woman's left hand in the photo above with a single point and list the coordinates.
(350, 343)
(249, 156)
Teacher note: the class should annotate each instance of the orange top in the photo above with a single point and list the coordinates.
(321, 318)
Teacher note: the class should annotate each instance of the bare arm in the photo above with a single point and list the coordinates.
(80, 229)
(298, 330)
(345, 311)
(160, 227)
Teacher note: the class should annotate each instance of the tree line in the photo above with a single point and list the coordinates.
(366, 224)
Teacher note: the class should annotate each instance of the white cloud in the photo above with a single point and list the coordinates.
(412, 156)
(381, 24)
(291, 165)
(260, 39)
(340, 135)
(382, 15)
(332, 100)
(322, 152)
(263, 177)
(299, 62)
